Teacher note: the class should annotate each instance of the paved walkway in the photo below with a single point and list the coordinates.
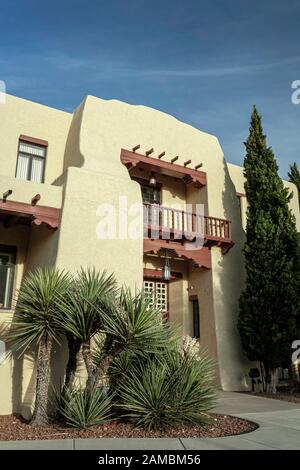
(279, 429)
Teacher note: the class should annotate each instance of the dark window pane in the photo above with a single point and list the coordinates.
(6, 279)
(196, 319)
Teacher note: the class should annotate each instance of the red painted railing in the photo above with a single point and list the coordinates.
(184, 223)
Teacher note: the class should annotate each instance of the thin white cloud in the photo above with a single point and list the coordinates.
(108, 67)
(217, 71)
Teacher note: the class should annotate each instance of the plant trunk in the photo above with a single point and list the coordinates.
(102, 368)
(74, 345)
(88, 360)
(273, 381)
(263, 376)
(40, 415)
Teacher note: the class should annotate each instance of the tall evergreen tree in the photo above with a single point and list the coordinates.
(270, 304)
(294, 177)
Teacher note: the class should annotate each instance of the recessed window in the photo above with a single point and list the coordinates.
(31, 161)
(7, 270)
(157, 293)
(196, 318)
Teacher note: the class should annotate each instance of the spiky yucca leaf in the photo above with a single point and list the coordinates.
(81, 409)
(37, 312)
(168, 390)
(137, 325)
(82, 306)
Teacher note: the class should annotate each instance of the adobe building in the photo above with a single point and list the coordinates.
(60, 172)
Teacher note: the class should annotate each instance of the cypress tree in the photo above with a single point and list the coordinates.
(294, 177)
(270, 303)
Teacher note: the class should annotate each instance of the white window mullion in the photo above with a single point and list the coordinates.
(37, 169)
(22, 169)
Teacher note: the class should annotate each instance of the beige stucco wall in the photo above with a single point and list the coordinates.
(17, 374)
(237, 177)
(19, 116)
(18, 238)
(106, 126)
(24, 191)
(84, 161)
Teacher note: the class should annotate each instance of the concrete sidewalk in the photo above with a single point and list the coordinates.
(279, 429)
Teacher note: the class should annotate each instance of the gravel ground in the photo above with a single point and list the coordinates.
(292, 398)
(14, 428)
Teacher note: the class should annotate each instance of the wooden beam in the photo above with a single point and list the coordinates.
(35, 199)
(148, 152)
(198, 166)
(6, 195)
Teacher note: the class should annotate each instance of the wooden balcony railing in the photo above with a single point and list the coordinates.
(181, 224)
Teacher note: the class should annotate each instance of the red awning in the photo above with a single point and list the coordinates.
(187, 175)
(13, 210)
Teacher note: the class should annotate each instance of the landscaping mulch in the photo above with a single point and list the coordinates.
(13, 427)
(292, 398)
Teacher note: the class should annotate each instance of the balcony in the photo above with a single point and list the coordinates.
(166, 223)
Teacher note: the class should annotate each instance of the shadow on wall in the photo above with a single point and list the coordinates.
(73, 156)
(24, 378)
(230, 285)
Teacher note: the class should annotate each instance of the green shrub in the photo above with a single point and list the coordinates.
(167, 390)
(81, 409)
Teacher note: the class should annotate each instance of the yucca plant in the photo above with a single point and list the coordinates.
(137, 326)
(167, 390)
(91, 293)
(82, 409)
(131, 325)
(36, 323)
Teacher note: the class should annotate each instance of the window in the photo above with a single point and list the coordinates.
(196, 318)
(7, 268)
(152, 199)
(151, 194)
(157, 293)
(31, 161)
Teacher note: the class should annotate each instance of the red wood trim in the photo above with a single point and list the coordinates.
(33, 140)
(38, 214)
(193, 297)
(188, 175)
(241, 194)
(158, 274)
(200, 257)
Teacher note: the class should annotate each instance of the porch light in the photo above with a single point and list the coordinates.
(166, 269)
(152, 180)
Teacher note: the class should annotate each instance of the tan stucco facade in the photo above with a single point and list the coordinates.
(83, 173)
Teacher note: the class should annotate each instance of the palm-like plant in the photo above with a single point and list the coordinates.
(80, 320)
(167, 390)
(131, 324)
(36, 322)
(137, 326)
(81, 409)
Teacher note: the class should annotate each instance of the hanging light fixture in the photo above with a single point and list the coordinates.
(152, 180)
(166, 268)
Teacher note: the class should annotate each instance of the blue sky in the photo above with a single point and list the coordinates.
(205, 62)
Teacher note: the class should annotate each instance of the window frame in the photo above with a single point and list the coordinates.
(37, 143)
(12, 251)
(196, 314)
(166, 313)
